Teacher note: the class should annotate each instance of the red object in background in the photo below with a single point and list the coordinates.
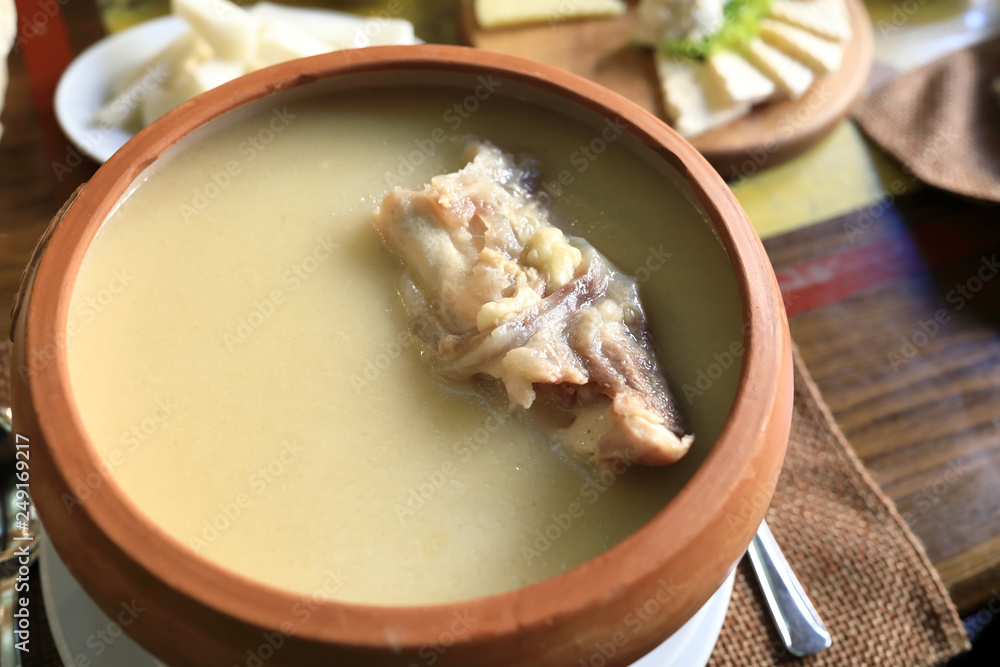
(842, 274)
(43, 42)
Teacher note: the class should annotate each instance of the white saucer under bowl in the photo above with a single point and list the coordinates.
(84, 635)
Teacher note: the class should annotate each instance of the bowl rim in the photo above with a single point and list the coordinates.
(766, 365)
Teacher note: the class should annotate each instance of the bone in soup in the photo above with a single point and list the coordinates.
(243, 362)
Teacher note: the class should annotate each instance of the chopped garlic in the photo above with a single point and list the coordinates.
(492, 314)
(553, 256)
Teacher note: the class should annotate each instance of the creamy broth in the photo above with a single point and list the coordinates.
(239, 355)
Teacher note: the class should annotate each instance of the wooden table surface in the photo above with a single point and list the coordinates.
(894, 307)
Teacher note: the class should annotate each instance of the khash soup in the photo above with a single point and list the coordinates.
(244, 366)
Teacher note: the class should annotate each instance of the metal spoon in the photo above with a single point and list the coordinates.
(799, 625)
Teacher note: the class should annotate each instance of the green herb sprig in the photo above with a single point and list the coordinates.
(740, 24)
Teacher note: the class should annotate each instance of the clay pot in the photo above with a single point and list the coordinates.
(196, 613)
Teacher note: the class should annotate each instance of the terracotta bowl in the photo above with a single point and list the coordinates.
(196, 613)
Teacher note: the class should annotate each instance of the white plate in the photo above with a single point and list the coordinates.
(80, 628)
(86, 84)
(83, 634)
(692, 645)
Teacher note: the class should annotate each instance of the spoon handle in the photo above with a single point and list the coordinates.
(799, 625)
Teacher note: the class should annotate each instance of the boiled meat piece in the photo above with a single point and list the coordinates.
(497, 291)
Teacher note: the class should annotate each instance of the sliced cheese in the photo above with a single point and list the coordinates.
(340, 30)
(228, 28)
(124, 105)
(737, 80)
(498, 13)
(791, 77)
(826, 18)
(163, 63)
(227, 41)
(820, 55)
(279, 41)
(692, 103)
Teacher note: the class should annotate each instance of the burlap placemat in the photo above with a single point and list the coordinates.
(865, 571)
(942, 121)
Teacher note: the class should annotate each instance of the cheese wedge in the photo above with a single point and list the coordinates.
(693, 104)
(825, 18)
(820, 55)
(791, 77)
(737, 80)
(498, 13)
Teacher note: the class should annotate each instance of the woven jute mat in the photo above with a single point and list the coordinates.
(942, 121)
(866, 573)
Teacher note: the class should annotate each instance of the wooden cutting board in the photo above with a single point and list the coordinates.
(773, 133)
